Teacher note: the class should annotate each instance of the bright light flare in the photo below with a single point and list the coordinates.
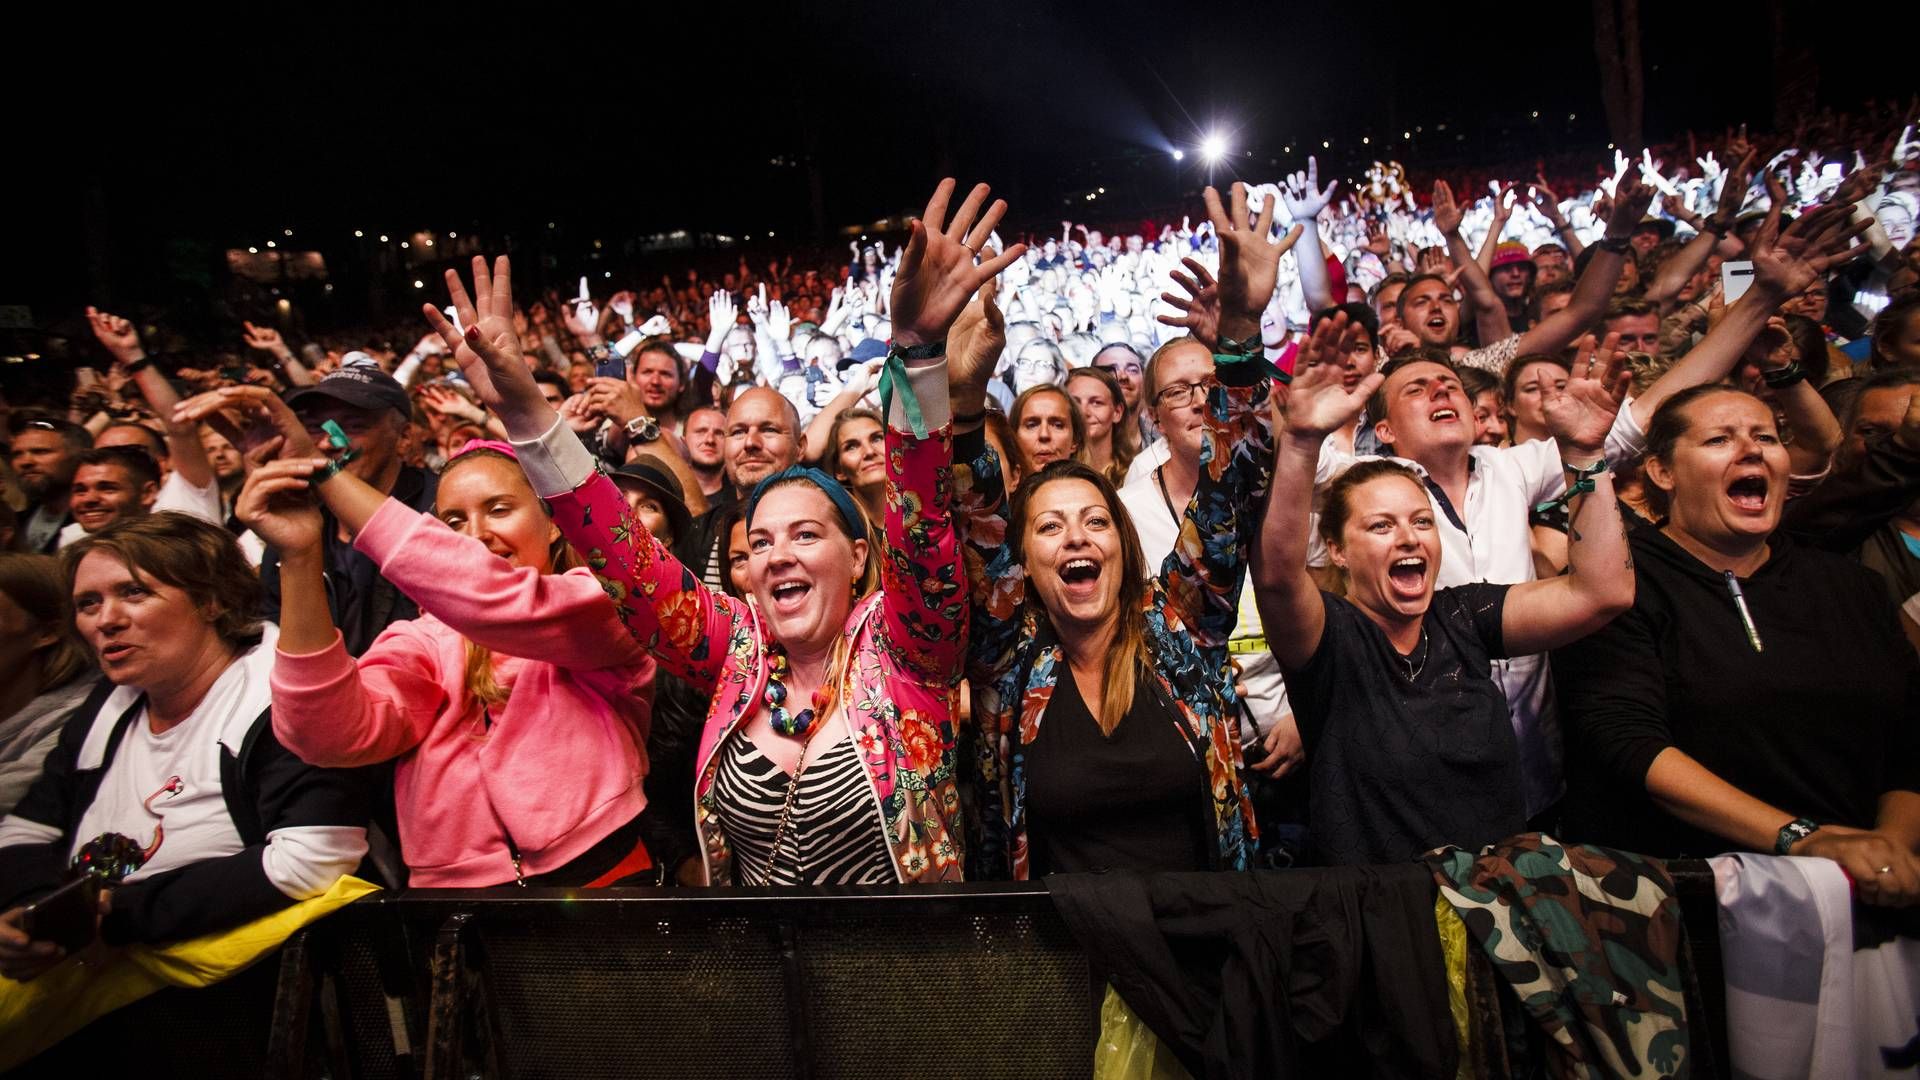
(1179, 155)
(1213, 148)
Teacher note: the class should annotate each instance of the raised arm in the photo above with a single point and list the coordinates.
(860, 379)
(1548, 203)
(1543, 615)
(1594, 289)
(184, 449)
(268, 340)
(1490, 315)
(1305, 201)
(1784, 264)
(663, 605)
(1318, 404)
(924, 605)
(1503, 199)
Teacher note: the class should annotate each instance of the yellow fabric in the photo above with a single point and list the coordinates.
(36, 1015)
(1128, 1049)
(1453, 947)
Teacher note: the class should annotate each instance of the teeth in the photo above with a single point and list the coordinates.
(1444, 414)
(1076, 564)
(1411, 561)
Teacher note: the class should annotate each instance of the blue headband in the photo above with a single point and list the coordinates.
(831, 488)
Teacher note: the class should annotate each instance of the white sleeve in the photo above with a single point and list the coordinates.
(556, 462)
(15, 829)
(1625, 441)
(203, 503)
(304, 861)
(1542, 472)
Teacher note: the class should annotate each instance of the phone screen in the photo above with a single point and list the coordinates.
(613, 367)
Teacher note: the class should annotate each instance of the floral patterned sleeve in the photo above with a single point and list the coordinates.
(923, 608)
(1204, 573)
(668, 609)
(995, 579)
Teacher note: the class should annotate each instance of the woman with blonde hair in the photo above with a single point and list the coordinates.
(515, 706)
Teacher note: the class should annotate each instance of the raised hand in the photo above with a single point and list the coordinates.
(1318, 402)
(265, 338)
(757, 306)
(488, 353)
(974, 343)
(938, 274)
(1502, 207)
(277, 502)
(1630, 202)
(117, 334)
(622, 305)
(446, 401)
(583, 319)
(1447, 214)
(1581, 413)
(779, 321)
(722, 316)
(1303, 195)
(1820, 239)
(1249, 262)
(1200, 308)
(253, 418)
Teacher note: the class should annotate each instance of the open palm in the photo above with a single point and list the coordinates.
(1580, 414)
(1318, 401)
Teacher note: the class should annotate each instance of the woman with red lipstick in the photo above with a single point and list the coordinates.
(1759, 696)
(1406, 732)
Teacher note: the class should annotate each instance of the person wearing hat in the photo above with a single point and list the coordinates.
(1551, 263)
(654, 496)
(370, 412)
(1513, 273)
(1650, 233)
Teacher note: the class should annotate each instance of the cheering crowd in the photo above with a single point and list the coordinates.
(1330, 526)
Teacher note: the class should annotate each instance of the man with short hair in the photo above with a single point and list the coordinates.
(187, 482)
(1638, 324)
(110, 483)
(706, 438)
(372, 413)
(656, 371)
(762, 438)
(44, 453)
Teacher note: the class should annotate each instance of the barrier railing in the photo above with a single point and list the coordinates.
(974, 980)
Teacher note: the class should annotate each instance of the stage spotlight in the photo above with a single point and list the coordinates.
(1179, 155)
(1213, 148)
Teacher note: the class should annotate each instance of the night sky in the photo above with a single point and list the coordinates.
(145, 155)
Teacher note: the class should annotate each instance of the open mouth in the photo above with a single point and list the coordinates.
(1081, 577)
(115, 652)
(789, 595)
(1408, 575)
(1443, 416)
(1749, 493)
(1437, 323)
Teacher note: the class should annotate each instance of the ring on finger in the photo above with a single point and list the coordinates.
(1883, 870)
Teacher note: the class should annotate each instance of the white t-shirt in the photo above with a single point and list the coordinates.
(1259, 671)
(177, 776)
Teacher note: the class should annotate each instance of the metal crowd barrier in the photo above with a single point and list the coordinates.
(975, 980)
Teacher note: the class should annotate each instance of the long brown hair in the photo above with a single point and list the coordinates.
(1124, 430)
(32, 583)
(479, 678)
(1127, 655)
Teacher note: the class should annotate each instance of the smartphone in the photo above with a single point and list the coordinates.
(612, 367)
(69, 916)
(1735, 276)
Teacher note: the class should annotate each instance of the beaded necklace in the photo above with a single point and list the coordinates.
(789, 724)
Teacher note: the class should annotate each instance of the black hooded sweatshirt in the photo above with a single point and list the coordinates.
(1820, 724)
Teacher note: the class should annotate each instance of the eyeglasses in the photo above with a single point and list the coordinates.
(1182, 394)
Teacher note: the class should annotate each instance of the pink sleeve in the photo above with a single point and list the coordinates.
(336, 713)
(559, 619)
(925, 600)
(668, 610)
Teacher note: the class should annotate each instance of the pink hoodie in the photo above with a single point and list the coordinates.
(560, 766)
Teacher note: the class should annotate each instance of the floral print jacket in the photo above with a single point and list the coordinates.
(1191, 608)
(905, 648)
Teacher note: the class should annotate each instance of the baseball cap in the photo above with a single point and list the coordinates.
(1509, 252)
(868, 349)
(360, 383)
(651, 475)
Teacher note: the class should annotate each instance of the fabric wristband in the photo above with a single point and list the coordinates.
(1582, 485)
(895, 384)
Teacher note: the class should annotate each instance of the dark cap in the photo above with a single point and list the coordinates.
(362, 385)
(651, 475)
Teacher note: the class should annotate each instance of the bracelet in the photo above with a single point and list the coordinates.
(1792, 833)
(1717, 227)
(1583, 476)
(337, 439)
(135, 367)
(1619, 245)
(918, 352)
(1782, 377)
(893, 382)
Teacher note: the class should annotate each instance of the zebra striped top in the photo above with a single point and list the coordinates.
(835, 836)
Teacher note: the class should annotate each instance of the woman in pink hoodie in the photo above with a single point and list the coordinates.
(517, 705)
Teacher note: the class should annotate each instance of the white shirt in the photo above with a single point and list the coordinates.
(179, 771)
(1266, 695)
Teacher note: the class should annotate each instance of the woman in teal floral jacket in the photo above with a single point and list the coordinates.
(1063, 609)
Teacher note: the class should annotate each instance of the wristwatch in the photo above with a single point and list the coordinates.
(1792, 833)
(643, 429)
(1784, 376)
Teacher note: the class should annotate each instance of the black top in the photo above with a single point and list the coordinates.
(1134, 800)
(1401, 764)
(1820, 724)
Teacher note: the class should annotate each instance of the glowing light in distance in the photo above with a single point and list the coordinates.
(1213, 148)
(1179, 155)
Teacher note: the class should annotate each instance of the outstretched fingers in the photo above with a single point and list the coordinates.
(977, 237)
(437, 320)
(957, 228)
(935, 215)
